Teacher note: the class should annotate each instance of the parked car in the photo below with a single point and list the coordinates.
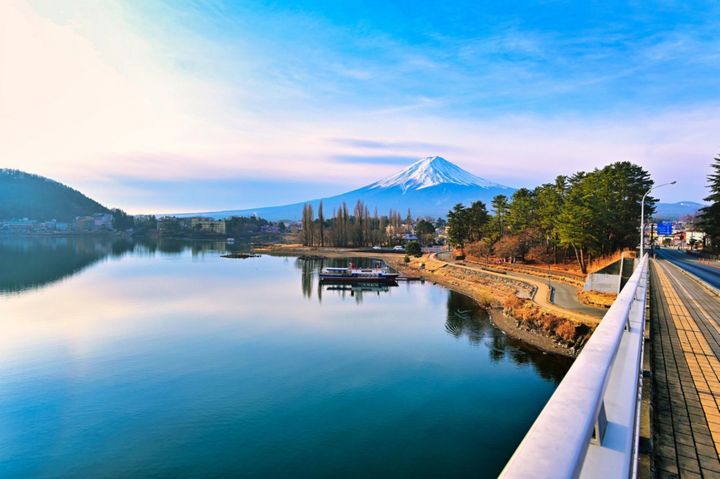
(399, 248)
(377, 247)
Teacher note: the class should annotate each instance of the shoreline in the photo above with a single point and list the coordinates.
(489, 293)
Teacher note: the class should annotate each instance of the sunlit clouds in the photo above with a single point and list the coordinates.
(112, 98)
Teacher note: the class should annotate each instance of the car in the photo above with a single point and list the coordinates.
(399, 248)
(377, 247)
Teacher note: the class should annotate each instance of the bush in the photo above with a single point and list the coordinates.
(406, 259)
(413, 248)
(540, 254)
(479, 249)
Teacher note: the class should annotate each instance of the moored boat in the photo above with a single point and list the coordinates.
(351, 274)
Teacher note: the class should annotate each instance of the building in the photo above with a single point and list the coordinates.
(208, 225)
(103, 221)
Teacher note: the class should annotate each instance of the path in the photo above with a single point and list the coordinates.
(686, 373)
(565, 300)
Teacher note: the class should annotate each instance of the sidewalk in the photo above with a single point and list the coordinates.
(686, 374)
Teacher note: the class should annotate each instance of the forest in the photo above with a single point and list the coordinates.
(585, 215)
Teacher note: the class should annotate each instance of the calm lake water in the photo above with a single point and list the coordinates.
(167, 361)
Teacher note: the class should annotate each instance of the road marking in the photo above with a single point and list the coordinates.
(700, 358)
(700, 308)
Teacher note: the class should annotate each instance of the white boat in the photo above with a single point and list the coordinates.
(351, 274)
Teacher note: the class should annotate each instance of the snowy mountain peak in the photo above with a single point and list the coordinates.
(432, 171)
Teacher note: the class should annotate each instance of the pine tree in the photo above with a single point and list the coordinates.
(710, 215)
(500, 205)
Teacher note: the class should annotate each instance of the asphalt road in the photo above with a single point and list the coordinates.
(709, 274)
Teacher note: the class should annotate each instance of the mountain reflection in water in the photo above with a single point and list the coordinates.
(159, 359)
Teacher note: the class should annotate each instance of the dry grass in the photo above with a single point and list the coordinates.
(529, 315)
(594, 298)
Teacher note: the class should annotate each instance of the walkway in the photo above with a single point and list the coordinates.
(686, 374)
(565, 300)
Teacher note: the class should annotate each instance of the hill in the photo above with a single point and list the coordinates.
(676, 211)
(24, 195)
(428, 187)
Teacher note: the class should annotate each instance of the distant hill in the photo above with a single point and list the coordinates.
(675, 211)
(23, 195)
(428, 187)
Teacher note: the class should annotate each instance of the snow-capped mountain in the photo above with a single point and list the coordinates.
(432, 171)
(428, 187)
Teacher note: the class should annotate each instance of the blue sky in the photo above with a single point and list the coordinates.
(244, 104)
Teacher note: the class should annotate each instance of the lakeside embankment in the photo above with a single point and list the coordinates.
(508, 300)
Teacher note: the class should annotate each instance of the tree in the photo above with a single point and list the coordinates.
(710, 215)
(510, 246)
(458, 225)
(521, 211)
(500, 205)
(321, 221)
(549, 199)
(121, 220)
(425, 231)
(479, 249)
(307, 225)
(413, 248)
(477, 219)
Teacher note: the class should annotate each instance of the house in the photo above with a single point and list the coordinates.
(208, 225)
(102, 221)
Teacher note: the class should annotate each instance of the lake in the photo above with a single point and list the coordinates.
(164, 360)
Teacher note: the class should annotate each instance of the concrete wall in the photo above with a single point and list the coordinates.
(602, 283)
(606, 280)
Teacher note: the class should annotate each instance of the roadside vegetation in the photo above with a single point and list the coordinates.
(709, 220)
(575, 218)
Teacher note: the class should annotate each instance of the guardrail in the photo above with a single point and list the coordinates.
(589, 427)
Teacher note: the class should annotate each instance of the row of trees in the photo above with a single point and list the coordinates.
(355, 229)
(584, 215)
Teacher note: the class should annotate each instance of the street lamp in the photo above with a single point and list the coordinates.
(642, 216)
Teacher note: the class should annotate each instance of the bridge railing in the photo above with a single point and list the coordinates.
(589, 427)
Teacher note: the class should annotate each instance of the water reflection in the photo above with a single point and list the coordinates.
(310, 267)
(221, 367)
(30, 263)
(34, 262)
(465, 318)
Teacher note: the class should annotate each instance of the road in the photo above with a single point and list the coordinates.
(565, 296)
(707, 273)
(686, 370)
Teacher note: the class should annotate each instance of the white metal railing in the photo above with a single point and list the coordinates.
(589, 427)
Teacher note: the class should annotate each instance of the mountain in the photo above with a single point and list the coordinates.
(23, 195)
(428, 187)
(675, 211)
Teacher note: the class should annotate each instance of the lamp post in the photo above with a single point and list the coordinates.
(642, 216)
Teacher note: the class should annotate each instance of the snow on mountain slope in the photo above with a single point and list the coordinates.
(432, 171)
(428, 187)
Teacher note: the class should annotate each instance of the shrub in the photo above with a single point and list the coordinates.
(406, 259)
(413, 248)
(540, 254)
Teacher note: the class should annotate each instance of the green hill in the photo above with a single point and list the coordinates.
(23, 195)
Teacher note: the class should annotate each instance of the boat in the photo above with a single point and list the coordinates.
(351, 274)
